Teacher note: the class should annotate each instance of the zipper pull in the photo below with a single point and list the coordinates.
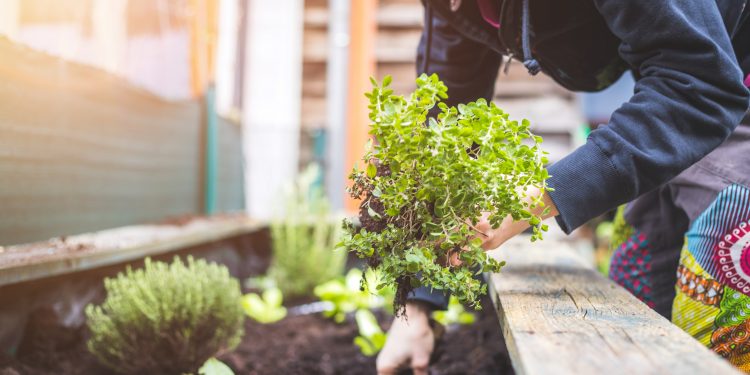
(507, 64)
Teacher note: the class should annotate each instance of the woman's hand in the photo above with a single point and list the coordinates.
(493, 238)
(410, 342)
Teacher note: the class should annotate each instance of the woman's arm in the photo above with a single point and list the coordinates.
(689, 98)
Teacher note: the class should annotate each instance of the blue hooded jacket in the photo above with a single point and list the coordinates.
(690, 60)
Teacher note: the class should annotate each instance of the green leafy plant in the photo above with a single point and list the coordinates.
(348, 294)
(265, 309)
(371, 337)
(455, 314)
(166, 318)
(305, 239)
(428, 180)
(215, 367)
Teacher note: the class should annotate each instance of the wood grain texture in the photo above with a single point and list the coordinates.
(81, 150)
(407, 14)
(559, 316)
(58, 256)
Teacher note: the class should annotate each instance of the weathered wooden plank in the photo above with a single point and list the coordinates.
(391, 45)
(548, 114)
(397, 15)
(559, 316)
(314, 114)
(63, 255)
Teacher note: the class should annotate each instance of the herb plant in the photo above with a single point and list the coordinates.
(427, 180)
(166, 318)
(304, 239)
(267, 308)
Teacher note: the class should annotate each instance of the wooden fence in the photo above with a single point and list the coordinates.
(82, 150)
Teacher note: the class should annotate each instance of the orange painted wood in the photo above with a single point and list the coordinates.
(203, 40)
(361, 68)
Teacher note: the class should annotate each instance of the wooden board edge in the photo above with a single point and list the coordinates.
(105, 257)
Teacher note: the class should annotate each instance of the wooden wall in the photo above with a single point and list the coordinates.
(554, 111)
(81, 150)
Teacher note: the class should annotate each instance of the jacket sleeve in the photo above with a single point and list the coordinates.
(469, 70)
(688, 100)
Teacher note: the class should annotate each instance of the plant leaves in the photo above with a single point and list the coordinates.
(215, 367)
(273, 297)
(365, 347)
(444, 171)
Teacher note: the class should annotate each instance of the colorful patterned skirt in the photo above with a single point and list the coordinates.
(686, 250)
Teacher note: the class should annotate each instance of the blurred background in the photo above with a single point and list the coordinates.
(119, 112)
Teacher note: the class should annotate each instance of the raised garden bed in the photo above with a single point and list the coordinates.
(305, 344)
(301, 344)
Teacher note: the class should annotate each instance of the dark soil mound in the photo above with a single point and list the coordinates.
(48, 348)
(312, 344)
(304, 345)
(475, 349)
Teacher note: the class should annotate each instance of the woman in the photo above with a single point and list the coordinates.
(674, 150)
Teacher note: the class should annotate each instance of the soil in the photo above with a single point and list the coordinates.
(311, 344)
(48, 348)
(375, 225)
(306, 344)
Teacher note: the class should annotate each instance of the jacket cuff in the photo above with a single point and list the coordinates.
(586, 185)
(436, 298)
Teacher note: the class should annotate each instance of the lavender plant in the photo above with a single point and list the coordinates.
(166, 318)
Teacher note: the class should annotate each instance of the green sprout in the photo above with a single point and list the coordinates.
(266, 309)
(455, 314)
(349, 294)
(215, 367)
(371, 337)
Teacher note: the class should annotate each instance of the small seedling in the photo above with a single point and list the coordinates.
(427, 181)
(266, 309)
(371, 337)
(215, 367)
(350, 293)
(455, 314)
